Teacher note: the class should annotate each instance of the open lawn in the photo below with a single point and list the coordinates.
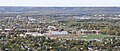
(92, 36)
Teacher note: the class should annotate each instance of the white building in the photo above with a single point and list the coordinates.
(34, 34)
(51, 27)
(58, 32)
(83, 31)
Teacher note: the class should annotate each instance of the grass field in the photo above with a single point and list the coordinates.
(93, 36)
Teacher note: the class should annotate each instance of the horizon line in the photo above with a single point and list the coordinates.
(57, 6)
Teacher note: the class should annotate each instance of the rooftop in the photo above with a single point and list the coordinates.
(58, 32)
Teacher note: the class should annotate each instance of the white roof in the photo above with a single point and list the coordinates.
(83, 30)
(88, 30)
(59, 32)
(21, 35)
(51, 27)
(38, 34)
(31, 19)
(6, 29)
(34, 34)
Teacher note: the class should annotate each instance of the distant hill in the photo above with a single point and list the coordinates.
(61, 9)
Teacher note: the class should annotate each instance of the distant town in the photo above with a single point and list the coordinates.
(59, 28)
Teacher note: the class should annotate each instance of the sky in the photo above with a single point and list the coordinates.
(69, 3)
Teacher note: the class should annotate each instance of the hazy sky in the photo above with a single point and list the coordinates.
(59, 2)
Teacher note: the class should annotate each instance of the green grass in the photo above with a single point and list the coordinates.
(92, 36)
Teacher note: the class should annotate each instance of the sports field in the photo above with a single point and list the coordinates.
(92, 36)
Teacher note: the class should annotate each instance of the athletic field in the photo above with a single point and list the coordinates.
(92, 36)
